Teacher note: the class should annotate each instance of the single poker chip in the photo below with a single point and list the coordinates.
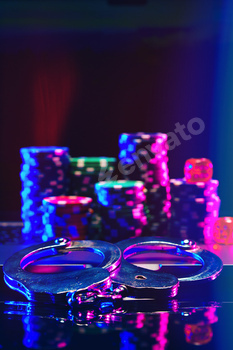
(40, 151)
(140, 137)
(68, 200)
(120, 185)
(43, 154)
(84, 162)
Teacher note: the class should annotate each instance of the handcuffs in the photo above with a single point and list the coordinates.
(114, 279)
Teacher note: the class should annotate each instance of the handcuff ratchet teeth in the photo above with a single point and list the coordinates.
(113, 272)
(211, 264)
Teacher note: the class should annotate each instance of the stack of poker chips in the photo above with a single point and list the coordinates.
(194, 209)
(143, 157)
(44, 172)
(85, 172)
(122, 209)
(66, 216)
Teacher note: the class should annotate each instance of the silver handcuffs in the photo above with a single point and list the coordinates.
(113, 279)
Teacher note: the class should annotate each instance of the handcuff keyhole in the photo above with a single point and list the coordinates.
(140, 277)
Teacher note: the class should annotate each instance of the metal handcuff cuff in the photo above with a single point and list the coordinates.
(114, 278)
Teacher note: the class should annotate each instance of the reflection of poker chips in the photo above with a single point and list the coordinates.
(66, 215)
(143, 157)
(194, 209)
(85, 172)
(122, 208)
(44, 172)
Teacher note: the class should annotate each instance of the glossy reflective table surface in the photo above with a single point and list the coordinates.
(199, 316)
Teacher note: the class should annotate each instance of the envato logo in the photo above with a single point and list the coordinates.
(149, 152)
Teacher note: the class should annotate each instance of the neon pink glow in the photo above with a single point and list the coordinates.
(62, 345)
(211, 316)
(144, 220)
(107, 318)
(164, 166)
(207, 232)
(90, 315)
(200, 200)
(86, 180)
(154, 148)
(59, 152)
(138, 232)
(141, 196)
(140, 321)
(136, 214)
(175, 305)
(160, 336)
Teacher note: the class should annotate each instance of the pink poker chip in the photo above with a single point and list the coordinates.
(68, 200)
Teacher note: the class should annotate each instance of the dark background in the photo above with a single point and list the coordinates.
(79, 73)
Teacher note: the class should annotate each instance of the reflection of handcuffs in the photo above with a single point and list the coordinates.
(114, 278)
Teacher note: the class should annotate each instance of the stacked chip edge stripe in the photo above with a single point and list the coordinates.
(44, 172)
